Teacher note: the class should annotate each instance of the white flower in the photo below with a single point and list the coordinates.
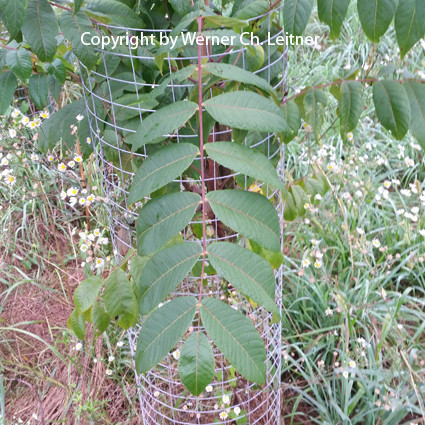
(314, 242)
(12, 133)
(72, 191)
(4, 161)
(15, 113)
(318, 264)
(415, 210)
(78, 346)
(111, 358)
(120, 344)
(352, 364)
(96, 232)
(359, 194)
(84, 247)
(156, 394)
(318, 197)
(34, 157)
(99, 262)
(376, 243)
(345, 374)
(108, 372)
(45, 114)
(208, 388)
(225, 399)
(10, 180)
(422, 232)
(223, 415)
(387, 184)
(72, 201)
(82, 201)
(88, 140)
(63, 195)
(328, 312)
(62, 167)
(91, 237)
(368, 146)
(332, 166)
(400, 211)
(104, 241)
(176, 354)
(237, 410)
(32, 124)
(360, 231)
(71, 164)
(409, 162)
(50, 158)
(79, 117)
(350, 136)
(78, 158)
(90, 198)
(306, 262)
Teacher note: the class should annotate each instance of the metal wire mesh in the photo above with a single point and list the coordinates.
(163, 399)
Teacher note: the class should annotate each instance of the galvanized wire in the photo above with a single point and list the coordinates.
(162, 397)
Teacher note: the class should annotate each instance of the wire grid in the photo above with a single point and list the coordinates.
(162, 397)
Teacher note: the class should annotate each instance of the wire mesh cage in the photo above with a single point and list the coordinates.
(114, 96)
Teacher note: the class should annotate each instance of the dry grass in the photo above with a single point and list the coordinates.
(44, 375)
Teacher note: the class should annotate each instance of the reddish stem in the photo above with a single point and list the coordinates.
(201, 148)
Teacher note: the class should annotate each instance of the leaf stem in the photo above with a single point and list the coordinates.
(201, 148)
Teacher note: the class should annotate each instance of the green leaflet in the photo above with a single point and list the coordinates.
(40, 29)
(164, 272)
(99, 317)
(246, 111)
(7, 89)
(253, 9)
(332, 13)
(296, 14)
(244, 160)
(77, 324)
(314, 106)
(293, 118)
(407, 30)
(161, 168)
(39, 90)
(73, 27)
(416, 94)
(19, 61)
(376, 16)
(164, 122)
(12, 14)
(246, 271)
(392, 107)
(161, 331)
(350, 105)
(248, 213)
(77, 5)
(86, 293)
(231, 72)
(196, 363)
(119, 299)
(57, 68)
(163, 217)
(115, 11)
(236, 337)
